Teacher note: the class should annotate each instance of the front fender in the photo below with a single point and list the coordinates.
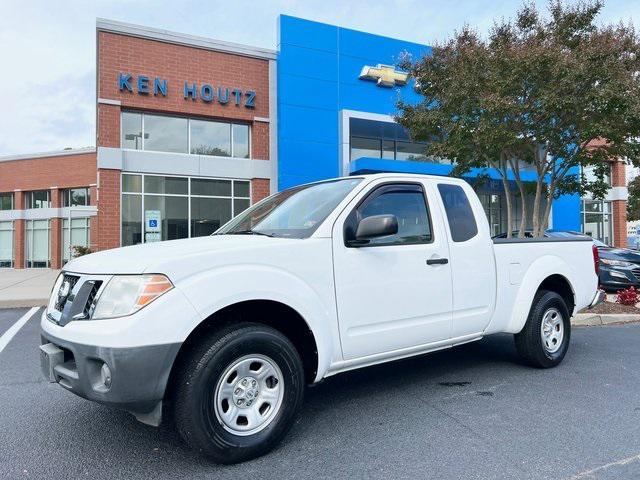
(211, 291)
(541, 268)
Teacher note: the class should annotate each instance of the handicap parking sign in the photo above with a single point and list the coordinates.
(152, 222)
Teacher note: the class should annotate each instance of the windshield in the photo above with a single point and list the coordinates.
(293, 213)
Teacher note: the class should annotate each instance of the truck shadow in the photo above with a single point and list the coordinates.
(376, 387)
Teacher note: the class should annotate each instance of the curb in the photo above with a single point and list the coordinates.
(24, 303)
(589, 319)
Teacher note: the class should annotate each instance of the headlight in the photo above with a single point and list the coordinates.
(616, 263)
(126, 294)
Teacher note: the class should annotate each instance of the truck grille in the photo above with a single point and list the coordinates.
(636, 273)
(66, 287)
(93, 293)
(75, 298)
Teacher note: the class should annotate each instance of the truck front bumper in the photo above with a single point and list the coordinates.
(133, 379)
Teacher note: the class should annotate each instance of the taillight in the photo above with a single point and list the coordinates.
(596, 258)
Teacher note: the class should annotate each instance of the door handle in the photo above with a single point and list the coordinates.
(437, 261)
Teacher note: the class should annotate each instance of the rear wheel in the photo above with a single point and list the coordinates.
(238, 392)
(544, 340)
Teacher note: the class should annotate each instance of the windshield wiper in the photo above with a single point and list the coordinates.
(250, 232)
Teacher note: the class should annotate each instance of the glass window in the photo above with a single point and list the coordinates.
(589, 172)
(407, 203)
(165, 134)
(174, 216)
(212, 203)
(597, 220)
(462, 222)
(410, 151)
(241, 141)
(241, 189)
(74, 197)
(6, 244)
(208, 215)
(365, 147)
(240, 205)
(80, 235)
(37, 243)
(132, 183)
(131, 131)
(212, 188)
(170, 185)
(293, 213)
(388, 149)
(6, 201)
(131, 219)
(211, 138)
(38, 199)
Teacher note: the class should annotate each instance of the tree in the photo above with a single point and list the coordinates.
(556, 93)
(633, 203)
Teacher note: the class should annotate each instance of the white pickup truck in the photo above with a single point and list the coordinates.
(224, 332)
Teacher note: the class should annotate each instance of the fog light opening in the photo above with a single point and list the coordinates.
(105, 375)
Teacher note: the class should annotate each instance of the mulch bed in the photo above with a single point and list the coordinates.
(610, 307)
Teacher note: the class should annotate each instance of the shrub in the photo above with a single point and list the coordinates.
(79, 250)
(628, 296)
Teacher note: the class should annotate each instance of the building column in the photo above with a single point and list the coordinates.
(56, 231)
(18, 231)
(619, 204)
(108, 197)
(260, 188)
(93, 220)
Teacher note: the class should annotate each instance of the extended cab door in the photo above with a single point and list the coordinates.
(471, 258)
(395, 291)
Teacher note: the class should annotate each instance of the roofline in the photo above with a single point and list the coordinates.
(166, 36)
(54, 153)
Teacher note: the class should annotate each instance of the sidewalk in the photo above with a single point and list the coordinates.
(26, 287)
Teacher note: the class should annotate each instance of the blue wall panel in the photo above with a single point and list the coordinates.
(318, 70)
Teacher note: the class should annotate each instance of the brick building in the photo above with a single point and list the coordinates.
(184, 142)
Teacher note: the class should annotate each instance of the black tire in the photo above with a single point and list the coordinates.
(197, 378)
(529, 342)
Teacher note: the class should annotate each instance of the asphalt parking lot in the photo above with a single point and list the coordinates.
(470, 412)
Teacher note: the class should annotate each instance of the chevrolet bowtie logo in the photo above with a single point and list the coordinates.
(384, 75)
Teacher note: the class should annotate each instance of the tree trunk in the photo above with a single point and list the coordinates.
(515, 167)
(547, 208)
(536, 208)
(540, 161)
(507, 192)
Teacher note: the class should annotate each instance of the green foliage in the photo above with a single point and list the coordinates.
(79, 250)
(554, 92)
(633, 203)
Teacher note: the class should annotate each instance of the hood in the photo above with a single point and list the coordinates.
(153, 257)
(624, 254)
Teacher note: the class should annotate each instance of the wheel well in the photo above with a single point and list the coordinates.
(274, 314)
(561, 286)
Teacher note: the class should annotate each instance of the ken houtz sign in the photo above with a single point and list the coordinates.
(206, 92)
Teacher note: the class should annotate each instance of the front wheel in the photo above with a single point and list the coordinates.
(544, 340)
(238, 392)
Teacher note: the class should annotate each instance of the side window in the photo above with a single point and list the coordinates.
(462, 221)
(407, 203)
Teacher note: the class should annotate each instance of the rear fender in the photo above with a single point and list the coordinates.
(541, 269)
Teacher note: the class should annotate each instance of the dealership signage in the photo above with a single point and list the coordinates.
(206, 92)
(384, 75)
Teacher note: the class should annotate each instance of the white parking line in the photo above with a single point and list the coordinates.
(592, 473)
(15, 328)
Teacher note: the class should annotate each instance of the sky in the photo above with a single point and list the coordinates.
(47, 47)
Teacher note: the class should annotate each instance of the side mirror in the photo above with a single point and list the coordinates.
(374, 227)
